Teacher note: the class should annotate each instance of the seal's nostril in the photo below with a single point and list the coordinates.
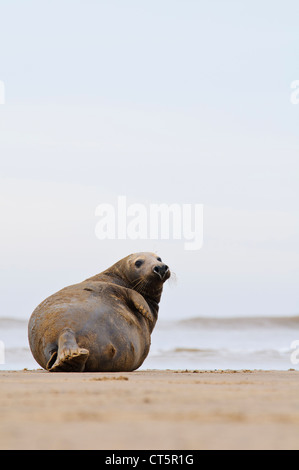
(161, 270)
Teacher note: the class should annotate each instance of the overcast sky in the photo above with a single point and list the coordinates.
(169, 101)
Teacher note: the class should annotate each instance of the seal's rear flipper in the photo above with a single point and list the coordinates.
(69, 357)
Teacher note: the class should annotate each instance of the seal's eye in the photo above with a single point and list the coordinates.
(159, 259)
(138, 263)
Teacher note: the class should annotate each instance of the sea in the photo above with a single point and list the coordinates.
(199, 343)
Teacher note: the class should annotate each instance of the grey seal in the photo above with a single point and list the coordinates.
(103, 323)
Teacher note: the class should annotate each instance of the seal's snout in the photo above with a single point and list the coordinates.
(161, 270)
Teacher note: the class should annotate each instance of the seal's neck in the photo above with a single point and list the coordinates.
(154, 306)
(152, 298)
(109, 276)
(152, 294)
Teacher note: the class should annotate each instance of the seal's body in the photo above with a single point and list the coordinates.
(103, 323)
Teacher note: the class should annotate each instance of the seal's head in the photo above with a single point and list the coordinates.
(143, 272)
(149, 267)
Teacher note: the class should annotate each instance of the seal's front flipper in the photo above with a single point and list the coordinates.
(141, 306)
(69, 357)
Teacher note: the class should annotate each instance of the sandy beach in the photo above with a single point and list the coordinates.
(149, 410)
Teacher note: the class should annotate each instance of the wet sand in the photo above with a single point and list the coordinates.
(149, 410)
